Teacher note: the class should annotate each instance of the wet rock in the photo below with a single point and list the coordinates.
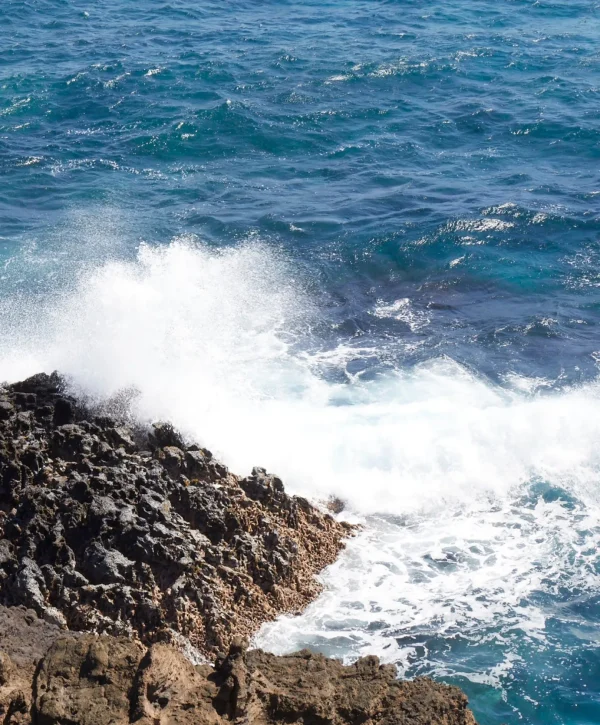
(172, 458)
(63, 412)
(163, 434)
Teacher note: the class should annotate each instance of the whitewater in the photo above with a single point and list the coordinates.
(219, 343)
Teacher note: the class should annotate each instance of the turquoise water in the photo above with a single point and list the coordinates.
(358, 242)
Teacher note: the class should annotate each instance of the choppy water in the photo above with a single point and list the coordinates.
(358, 242)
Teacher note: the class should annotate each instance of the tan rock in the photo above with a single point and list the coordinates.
(15, 693)
(112, 681)
(169, 690)
(86, 681)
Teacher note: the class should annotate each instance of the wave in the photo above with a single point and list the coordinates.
(423, 590)
(211, 339)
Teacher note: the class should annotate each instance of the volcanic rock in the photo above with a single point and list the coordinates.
(107, 528)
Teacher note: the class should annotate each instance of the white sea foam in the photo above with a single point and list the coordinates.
(404, 311)
(204, 337)
(467, 573)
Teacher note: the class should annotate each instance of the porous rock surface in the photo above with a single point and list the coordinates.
(105, 680)
(111, 529)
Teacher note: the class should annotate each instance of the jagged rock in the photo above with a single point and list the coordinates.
(109, 529)
(104, 680)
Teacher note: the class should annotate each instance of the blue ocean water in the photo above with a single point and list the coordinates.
(357, 241)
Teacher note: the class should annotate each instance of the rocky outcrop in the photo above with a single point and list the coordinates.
(112, 529)
(114, 681)
(146, 540)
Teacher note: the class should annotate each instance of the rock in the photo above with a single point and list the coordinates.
(169, 689)
(111, 529)
(25, 638)
(163, 434)
(107, 680)
(106, 566)
(147, 542)
(86, 681)
(172, 458)
(306, 687)
(15, 693)
(6, 668)
(6, 409)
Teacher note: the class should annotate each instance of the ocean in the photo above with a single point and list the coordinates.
(356, 242)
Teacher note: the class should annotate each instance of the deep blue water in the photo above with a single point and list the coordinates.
(428, 175)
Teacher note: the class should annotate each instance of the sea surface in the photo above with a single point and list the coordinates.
(356, 242)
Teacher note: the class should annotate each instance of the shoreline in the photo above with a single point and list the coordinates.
(109, 529)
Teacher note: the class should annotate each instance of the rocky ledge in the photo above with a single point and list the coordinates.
(108, 528)
(91, 680)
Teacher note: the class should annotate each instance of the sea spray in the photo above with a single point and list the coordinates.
(204, 338)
